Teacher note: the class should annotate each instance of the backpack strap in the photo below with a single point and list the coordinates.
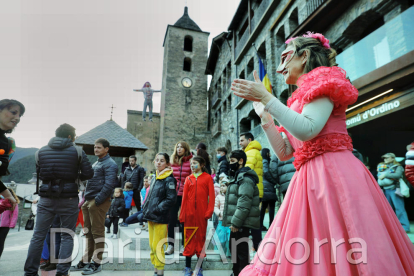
(37, 172)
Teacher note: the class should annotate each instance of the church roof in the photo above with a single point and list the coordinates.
(115, 134)
(186, 22)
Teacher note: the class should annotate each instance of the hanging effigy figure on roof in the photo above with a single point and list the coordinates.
(148, 92)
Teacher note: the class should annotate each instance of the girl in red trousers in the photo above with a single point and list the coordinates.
(180, 163)
(197, 207)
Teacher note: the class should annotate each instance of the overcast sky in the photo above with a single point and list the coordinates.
(69, 61)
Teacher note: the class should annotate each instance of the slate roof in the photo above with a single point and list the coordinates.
(116, 135)
(186, 22)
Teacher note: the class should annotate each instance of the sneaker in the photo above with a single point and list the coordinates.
(170, 250)
(108, 230)
(187, 271)
(92, 269)
(143, 119)
(115, 237)
(150, 120)
(145, 227)
(50, 267)
(43, 263)
(123, 224)
(199, 272)
(80, 266)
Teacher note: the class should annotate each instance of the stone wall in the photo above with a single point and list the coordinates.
(148, 133)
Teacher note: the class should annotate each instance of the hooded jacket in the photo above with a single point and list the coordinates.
(269, 183)
(282, 171)
(181, 172)
(196, 208)
(161, 198)
(223, 167)
(117, 207)
(59, 161)
(128, 195)
(241, 207)
(254, 161)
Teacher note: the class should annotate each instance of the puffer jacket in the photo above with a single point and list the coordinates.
(104, 180)
(254, 161)
(161, 198)
(219, 206)
(128, 198)
(282, 171)
(117, 207)
(269, 183)
(223, 167)
(241, 207)
(409, 165)
(135, 176)
(59, 161)
(9, 218)
(181, 172)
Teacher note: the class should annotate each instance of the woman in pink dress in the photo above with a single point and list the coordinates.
(335, 220)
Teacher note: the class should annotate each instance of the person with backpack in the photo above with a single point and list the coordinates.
(59, 166)
(134, 174)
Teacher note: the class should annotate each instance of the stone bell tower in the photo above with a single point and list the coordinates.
(184, 85)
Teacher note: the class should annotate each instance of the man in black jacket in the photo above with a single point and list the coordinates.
(98, 200)
(223, 164)
(58, 168)
(134, 174)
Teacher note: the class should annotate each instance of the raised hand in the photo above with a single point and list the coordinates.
(259, 109)
(252, 91)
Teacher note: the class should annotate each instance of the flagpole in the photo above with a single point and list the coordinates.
(264, 63)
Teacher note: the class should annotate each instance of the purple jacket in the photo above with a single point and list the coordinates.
(9, 218)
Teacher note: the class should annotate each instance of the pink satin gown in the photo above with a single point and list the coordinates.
(333, 206)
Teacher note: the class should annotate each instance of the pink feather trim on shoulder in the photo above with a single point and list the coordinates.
(318, 36)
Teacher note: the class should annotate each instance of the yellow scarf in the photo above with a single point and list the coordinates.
(164, 174)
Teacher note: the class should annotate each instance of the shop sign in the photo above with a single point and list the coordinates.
(372, 112)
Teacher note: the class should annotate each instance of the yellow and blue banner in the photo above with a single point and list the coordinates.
(264, 77)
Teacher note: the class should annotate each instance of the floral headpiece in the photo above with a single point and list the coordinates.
(320, 37)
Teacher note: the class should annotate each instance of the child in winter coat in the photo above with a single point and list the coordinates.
(8, 220)
(128, 195)
(116, 211)
(196, 209)
(139, 216)
(222, 233)
(160, 199)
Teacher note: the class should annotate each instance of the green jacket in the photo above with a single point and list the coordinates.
(241, 208)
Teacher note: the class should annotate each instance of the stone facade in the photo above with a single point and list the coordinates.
(148, 133)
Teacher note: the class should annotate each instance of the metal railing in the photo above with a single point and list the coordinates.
(242, 42)
(258, 13)
(216, 128)
(216, 99)
(312, 5)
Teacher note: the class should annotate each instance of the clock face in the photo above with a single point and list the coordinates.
(187, 82)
